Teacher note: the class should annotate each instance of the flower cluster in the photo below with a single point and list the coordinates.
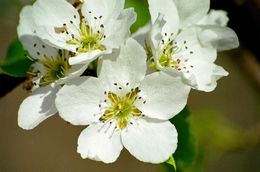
(143, 79)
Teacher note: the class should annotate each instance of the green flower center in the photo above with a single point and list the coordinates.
(55, 68)
(165, 57)
(121, 109)
(88, 39)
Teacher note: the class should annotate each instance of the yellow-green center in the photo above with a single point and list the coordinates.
(55, 68)
(88, 39)
(165, 57)
(121, 109)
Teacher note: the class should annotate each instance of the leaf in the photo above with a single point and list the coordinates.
(186, 151)
(143, 15)
(16, 63)
(172, 162)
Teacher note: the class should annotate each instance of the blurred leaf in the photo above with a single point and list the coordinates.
(219, 135)
(16, 63)
(143, 15)
(186, 151)
(171, 161)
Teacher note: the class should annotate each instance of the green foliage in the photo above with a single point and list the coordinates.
(171, 161)
(16, 63)
(143, 15)
(186, 151)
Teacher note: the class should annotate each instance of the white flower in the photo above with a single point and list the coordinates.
(50, 70)
(125, 108)
(178, 45)
(186, 13)
(97, 28)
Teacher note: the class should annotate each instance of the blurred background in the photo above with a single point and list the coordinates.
(224, 123)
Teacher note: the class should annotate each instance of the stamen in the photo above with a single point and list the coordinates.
(121, 108)
(111, 135)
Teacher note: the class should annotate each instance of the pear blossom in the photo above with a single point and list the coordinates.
(95, 29)
(215, 17)
(124, 108)
(49, 71)
(184, 39)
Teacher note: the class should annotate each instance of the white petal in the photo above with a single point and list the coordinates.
(150, 141)
(37, 107)
(141, 33)
(78, 102)
(168, 9)
(222, 38)
(204, 75)
(26, 24)
(155, 34)
(108, 9)
(31, 42)
(117, 31)
(86, 58)
(51, 14)
(163, 96)
(99, 145)
(191, 48)
(215, 17)
(74, 71)
(129, 67)
(191, 12)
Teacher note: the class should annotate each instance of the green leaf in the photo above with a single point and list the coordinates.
(186, 151)
(16, 63)
(143, 15)
(172, 162)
